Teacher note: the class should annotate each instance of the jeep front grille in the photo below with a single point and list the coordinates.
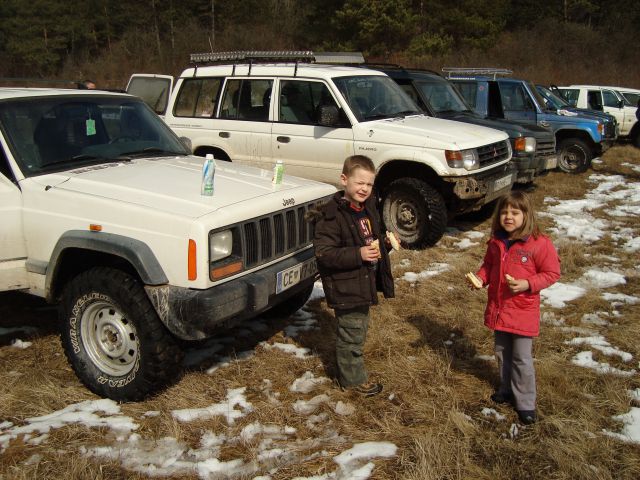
(493, 153)
(545, 148)
(609, 130)
(266, 238)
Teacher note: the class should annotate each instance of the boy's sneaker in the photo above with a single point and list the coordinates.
(502, 397)
(366, 389)
(527, 417)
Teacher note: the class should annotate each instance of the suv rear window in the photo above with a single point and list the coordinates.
(246, 99)
(197, 97)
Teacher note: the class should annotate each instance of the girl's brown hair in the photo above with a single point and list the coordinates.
(521, 201)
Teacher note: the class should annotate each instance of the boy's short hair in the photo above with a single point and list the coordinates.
(357, 161)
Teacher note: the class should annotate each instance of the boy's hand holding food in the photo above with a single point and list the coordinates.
(392, 240)
(371, 253)
(516, 286)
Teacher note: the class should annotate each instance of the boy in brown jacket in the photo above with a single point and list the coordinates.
(353, 261)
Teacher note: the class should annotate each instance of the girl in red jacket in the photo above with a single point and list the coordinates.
(520, 261)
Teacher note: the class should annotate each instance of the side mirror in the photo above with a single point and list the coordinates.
(187, 143)
(328, 116)
(620, 103)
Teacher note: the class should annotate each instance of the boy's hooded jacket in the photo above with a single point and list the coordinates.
(532, 259)
(347, 280)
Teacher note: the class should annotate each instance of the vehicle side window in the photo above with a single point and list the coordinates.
(247, 100)
(197, 97)
(154, 92)
(610, 99)
(469, 91)
(570, 95)
(300, 101)
(594, 99)
(514, 97)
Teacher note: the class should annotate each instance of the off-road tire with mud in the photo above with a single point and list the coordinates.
(574, 155)
(113, 337)
(415, 210)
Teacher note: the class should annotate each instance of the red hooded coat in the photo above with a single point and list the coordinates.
(533, 259)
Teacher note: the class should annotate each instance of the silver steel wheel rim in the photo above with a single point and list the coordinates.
(109, 338)
(571, 158)
(406, 216)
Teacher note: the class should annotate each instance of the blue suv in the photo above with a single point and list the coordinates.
(579, 136)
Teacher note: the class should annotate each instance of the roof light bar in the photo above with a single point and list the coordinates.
(281, 55)
(458, 71)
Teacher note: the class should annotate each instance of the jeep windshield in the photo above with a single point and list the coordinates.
(552, 100)
(49, 134)
(441, 96)
(375, 97)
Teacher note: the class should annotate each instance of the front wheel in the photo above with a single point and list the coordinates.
(113, 337)
(574, 156)
(416, 211)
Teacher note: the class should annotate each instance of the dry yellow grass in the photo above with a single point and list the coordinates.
(423, 345)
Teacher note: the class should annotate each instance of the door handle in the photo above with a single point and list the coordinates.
(224, 134)
(283, 139)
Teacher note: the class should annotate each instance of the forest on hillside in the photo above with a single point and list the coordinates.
(553, 41)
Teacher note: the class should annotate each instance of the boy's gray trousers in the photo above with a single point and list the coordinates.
(351, 335)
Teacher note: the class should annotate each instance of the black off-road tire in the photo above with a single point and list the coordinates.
(113, 337)
(291, 305)
(574, 155)
(416, 211)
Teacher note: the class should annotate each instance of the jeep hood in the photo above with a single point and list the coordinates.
(514, 129)
(586, 113)
(426, 132)
(173, 184)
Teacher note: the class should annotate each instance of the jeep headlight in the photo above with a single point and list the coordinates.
(525, 144)
(220, 245)
(467, 159)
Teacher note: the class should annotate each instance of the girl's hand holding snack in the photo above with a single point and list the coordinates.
(473, 279)
(516, 286)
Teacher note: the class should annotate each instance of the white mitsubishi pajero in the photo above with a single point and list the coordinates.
(259, 107)
(102, 212)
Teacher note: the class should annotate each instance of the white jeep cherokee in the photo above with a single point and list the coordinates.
(313, 115)
(102, 212)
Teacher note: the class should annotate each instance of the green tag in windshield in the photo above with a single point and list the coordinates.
(91, 127)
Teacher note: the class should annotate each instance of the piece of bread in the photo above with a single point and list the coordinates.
(376, 245)
(395, 244)
(473, 280)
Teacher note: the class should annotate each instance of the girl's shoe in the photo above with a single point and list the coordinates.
(502, 397)
(527, 417)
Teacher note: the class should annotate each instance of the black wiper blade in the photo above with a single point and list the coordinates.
(376, 117)
(80, 159)
(149, 151)
(404, 113)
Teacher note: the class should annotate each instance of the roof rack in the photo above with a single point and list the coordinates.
(466, 71)
(306, 56)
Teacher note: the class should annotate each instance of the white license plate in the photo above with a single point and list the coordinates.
(552, 162)
(501, 183)
(294, 275)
